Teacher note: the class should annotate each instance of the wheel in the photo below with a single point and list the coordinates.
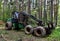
(39, 31)
(28, 29)
(51, 25)
(8, 26)
(48, 31)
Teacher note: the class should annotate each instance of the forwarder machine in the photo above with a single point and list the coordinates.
(22, 23)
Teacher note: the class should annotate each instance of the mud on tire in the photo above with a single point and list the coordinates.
(39, 31)
(8, 26)
(28, 29)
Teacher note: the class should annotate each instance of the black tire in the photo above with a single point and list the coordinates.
(54, 25)
(28, 29)
(8, 26)
(48, 31)
(51, 25)
(39, 31)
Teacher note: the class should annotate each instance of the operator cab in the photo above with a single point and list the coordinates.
(22, 18)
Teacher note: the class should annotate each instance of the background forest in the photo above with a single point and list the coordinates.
(33, 7)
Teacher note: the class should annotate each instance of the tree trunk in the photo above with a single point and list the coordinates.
(29, 6)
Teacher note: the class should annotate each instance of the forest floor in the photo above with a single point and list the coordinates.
(14, 35)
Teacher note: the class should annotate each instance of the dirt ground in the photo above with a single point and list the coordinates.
(14, 35)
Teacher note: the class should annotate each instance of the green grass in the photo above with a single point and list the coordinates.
(55, 36)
